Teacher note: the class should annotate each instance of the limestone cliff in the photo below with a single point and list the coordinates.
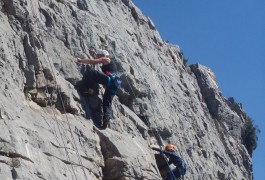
(45, 133)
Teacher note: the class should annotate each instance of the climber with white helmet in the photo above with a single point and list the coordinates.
(170, 152)
(108, 79)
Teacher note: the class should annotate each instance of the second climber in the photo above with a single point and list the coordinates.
(180, 165)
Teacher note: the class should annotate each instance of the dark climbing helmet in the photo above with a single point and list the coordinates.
(170, 147)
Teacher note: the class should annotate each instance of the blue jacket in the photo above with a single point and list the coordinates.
(173, 158)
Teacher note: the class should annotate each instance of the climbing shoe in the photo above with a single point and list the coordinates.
(105, 122)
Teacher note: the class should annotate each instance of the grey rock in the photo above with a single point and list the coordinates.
(30, 77)
(225, 111)
(44, 134)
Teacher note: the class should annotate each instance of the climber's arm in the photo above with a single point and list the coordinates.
(102, 60)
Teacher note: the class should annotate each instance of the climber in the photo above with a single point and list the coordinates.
(170, 152)
(108, 79)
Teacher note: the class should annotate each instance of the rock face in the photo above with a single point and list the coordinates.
(44, 133)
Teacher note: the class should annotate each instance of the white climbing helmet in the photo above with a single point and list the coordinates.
(102, 52)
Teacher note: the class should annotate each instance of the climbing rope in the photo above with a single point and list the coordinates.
(141, 73)
(146, 120)
(67, 153)
(128, 51)
(64, 110)
(174, 142)
(59, 93)
(130, 87)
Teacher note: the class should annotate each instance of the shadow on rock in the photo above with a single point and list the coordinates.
(91, 104)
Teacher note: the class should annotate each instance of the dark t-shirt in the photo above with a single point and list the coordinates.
(109, 67)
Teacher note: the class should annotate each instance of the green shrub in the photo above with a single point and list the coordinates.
(249, 136)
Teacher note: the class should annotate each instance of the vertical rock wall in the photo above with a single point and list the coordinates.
(44, 133)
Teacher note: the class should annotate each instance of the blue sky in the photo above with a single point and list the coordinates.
(229, 37)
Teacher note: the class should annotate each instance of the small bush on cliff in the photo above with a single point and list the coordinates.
(249, 136)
